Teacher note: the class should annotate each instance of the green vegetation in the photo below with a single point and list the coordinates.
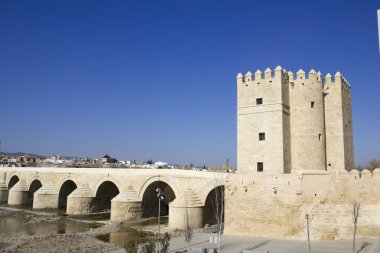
(148, 245)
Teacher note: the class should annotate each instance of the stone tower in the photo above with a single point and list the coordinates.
(290, 122)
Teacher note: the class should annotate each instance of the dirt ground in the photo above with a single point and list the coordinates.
(69, 242)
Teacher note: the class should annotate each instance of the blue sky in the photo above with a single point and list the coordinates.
(156, 79)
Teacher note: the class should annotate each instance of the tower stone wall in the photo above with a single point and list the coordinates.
(263, 108)
(338, 114)
(307, 131)
(289, 123)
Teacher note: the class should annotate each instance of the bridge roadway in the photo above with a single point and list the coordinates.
(127, 193)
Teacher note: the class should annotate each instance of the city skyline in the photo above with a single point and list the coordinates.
(152, 80)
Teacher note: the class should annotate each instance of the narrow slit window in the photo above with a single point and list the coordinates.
(312, 104)
(261, 136)
(260, 167)
(320, 136)
(259, 101)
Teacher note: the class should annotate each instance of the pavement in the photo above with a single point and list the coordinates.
(234, 244)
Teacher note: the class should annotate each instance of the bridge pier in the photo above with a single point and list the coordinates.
(45, 200)
(124, 208)
(45, 197)
(3, 193)
(78, 205)
(80, 201)
(4, 188)
(18, 195)
(178, 213)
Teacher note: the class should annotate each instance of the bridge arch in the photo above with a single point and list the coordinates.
(65, 189)
(105, 192)
(214, 205)
(155, 179)
(33, 180)
(207, 189)
(149, 200)
(12, 180)
(34, 186)
(108, 178)
(62, 181)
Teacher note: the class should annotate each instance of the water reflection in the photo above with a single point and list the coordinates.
(134, 230)
(17, 224)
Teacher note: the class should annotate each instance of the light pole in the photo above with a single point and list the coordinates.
(160, 197)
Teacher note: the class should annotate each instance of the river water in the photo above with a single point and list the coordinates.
(24, 221)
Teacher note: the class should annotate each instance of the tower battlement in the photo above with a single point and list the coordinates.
(278, 72)
(292, 122)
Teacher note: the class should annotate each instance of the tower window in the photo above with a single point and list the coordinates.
(261, 136)
(312, 104)
(259, 101)
(260, 167)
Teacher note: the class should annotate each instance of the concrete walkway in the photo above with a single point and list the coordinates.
(233, 244)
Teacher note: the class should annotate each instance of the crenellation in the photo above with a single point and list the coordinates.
(240, 78)
(258, 75)
(346, 85)
(365, 172)
(301, 74)
(353, 172)
(313, 75)
(291, 75)
(319, 76)
(279, 73)
(268, 73)
(328, 79)
(248, 77)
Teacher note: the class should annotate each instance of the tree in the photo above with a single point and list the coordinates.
(148, 245)
(355, 214)
(189, 231)
(165, 243)
(218, 205)
(373, 164)
(131, 247)
(308, 222)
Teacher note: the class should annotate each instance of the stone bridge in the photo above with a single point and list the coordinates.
(126, 193)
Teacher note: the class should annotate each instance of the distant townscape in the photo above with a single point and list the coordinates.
(20, 159)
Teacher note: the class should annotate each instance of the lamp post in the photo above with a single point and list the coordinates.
(160, 197)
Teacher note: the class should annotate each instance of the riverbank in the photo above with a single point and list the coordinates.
(63, 234)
